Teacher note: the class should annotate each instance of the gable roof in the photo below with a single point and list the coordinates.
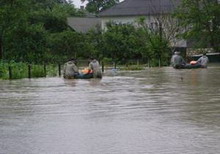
(140, 7)
(83, 24)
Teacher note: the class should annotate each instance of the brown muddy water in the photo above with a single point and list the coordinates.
(155, 111)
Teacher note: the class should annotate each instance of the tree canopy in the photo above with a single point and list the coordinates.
(95, 6)
(201, 18)
(36, 31)
(27, 25)
(125, 41)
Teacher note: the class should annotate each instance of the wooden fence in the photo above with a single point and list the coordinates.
(81, 63)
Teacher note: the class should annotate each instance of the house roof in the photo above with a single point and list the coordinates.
(140, 7)
(83, 24)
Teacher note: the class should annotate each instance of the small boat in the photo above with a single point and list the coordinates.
(84, 76)
(191, 65)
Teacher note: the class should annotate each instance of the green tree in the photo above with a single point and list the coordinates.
(26, 26)
(95, 6)
(95, 39)
(155, 44)
(12, 14)
(53, 15)
(26, 43)
(202, 21)
(66, 44)
(120, 42)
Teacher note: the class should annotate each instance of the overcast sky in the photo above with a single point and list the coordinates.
(78, 3)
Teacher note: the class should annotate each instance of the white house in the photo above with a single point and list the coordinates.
(156, 12)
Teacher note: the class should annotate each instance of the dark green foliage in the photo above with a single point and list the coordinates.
(12, 14)
(28, 42)
(124, 42)
(202, 21)
(94, 39)
(26, 26)
(36, 32)
(67, 44)
(120, 42)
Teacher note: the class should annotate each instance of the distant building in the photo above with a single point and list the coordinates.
(136, 8)
(84, 24)
(156, 12)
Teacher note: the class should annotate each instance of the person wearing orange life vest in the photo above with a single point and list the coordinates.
(95, 68)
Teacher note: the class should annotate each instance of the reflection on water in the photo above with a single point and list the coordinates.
(159, 110)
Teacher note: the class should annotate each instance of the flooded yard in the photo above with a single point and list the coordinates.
(154, 111)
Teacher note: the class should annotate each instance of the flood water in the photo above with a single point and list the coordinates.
(155, 111)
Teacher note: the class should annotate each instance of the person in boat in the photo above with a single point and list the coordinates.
(177, 60)
(203, 61)
(70, 70)
(95, 68)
